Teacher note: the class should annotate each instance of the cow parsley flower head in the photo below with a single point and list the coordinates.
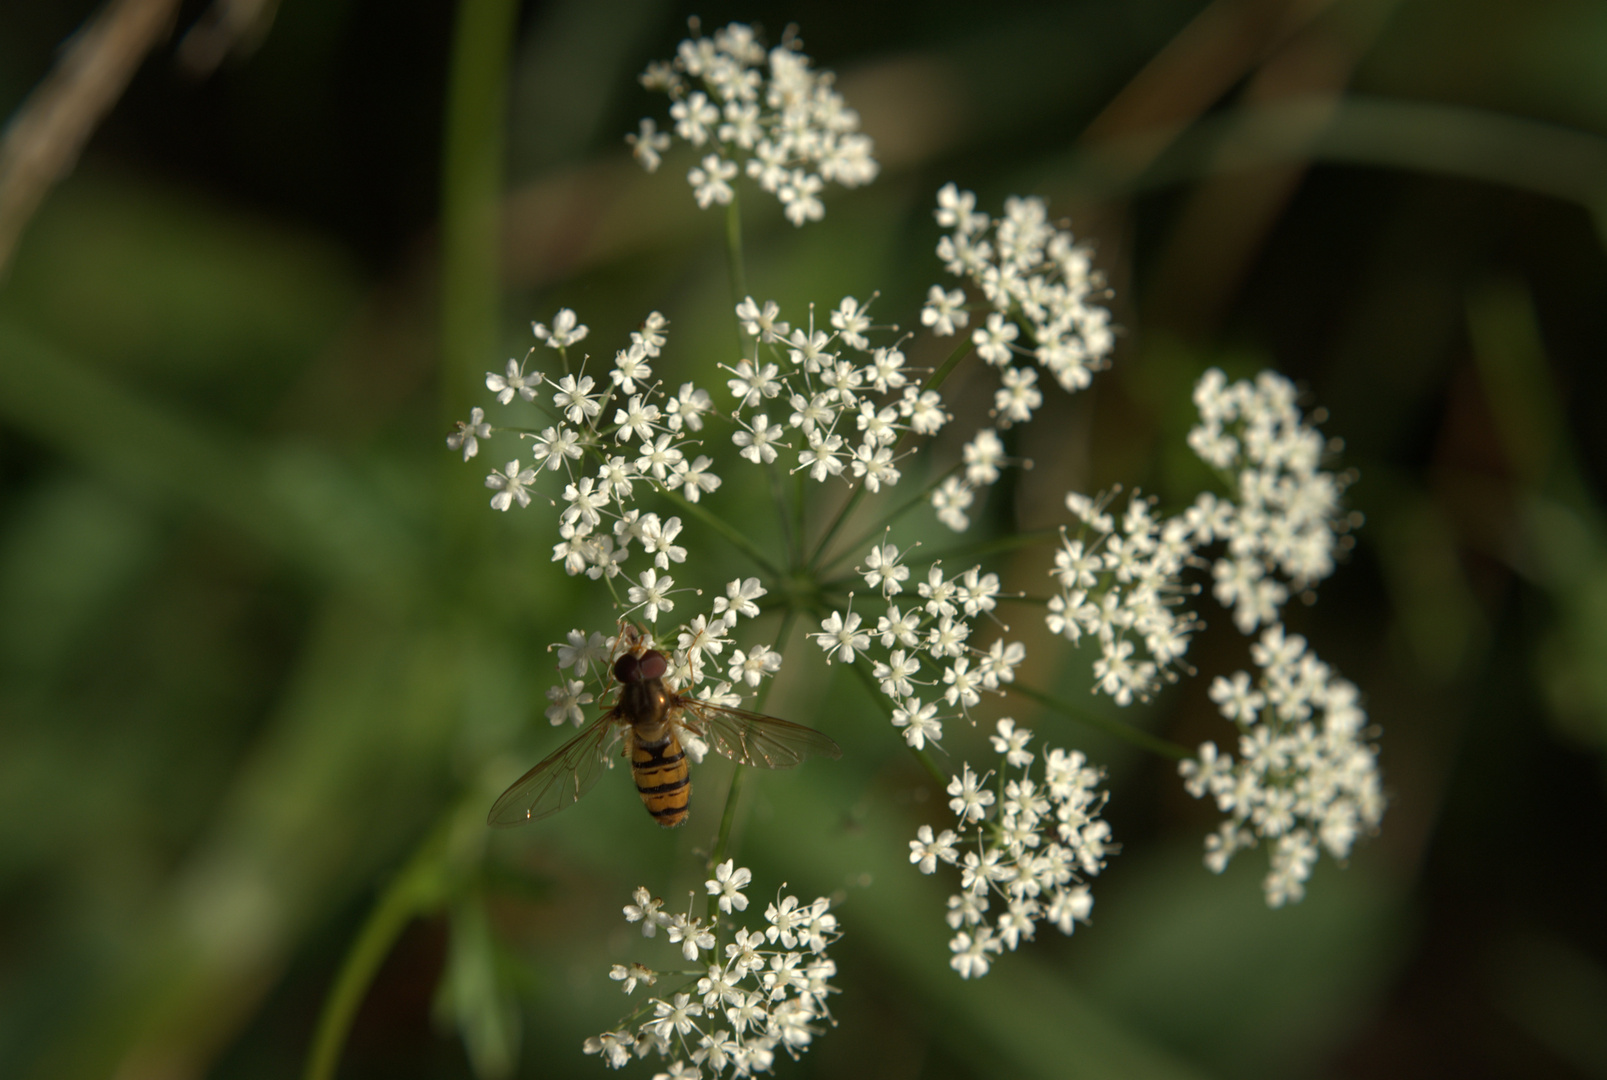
(763, 992)
(1123, 580)
(617, 438)
(766, 113)
(1024, 847)
(1306, 779)
(1121, 585)
(1037, 279)
(632, 463)
(835, 402)
(1045, 310)
(1282, 526)
(922, 651)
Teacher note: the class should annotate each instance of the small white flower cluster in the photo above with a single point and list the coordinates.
(933, 633)
(767, 113)
(1030, 845)
(1306, 778)
(1030, 273)
(1122, 587)
(828, 386)
(468, 435)
(768, 994)
(634, 432)
(697, 656)
(1284, 515)
(1034, 277)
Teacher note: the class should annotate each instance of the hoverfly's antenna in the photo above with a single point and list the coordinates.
(631, 638)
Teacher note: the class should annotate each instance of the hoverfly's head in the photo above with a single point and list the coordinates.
(631, 638)
(631, 668)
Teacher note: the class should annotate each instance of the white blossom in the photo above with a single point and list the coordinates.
(766, 113)
(467, 436)
(1306, 779)
(1023, 860)
(768, 989)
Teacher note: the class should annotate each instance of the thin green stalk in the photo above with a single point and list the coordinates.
(1141, 739)
(798, 512)
(793, 542)
(996, 545)
(417, 890)
(946, 368)
(737, 537)
(837, 523)
(869, 679)
(728, 816)
(471, 191)
(887, 519)
(733, 257)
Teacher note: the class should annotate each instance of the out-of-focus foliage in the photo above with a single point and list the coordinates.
(263, 648)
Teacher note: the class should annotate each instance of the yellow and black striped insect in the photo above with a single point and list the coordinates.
(653, 714)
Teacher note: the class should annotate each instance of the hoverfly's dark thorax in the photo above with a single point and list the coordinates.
(644, 703)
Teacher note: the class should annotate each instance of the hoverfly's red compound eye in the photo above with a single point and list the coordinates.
(627, 669)
(653, 665)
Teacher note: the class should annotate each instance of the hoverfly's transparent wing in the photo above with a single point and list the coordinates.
(561, 778)
(749, 738)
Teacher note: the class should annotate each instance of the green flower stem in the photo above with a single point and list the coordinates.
(798, 511)
(729, 815)
(869, 679)
(996, 545)
(925, 758)
(837, 523)
(737, 537)
(727, 818)
(887, 519)
(733, 258)
(1126, 732)
(794, 543)
(471, 190)
(946, 368)
(419, 889)
(613, 591)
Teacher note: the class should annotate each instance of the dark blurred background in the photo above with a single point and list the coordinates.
(259, 634)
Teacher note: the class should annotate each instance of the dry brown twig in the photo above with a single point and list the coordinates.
(46, 136)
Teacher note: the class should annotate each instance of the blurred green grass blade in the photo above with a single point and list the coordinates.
(419, 889)
(114, 432)
(477, 998)
(471, 190)
(337, 787)
(204, 299)
(1475, 144)
(1439, 621)
(1564, 546)
(292, 500)
(70, 549)
(1518, 389)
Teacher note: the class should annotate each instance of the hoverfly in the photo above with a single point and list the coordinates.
(653, 714)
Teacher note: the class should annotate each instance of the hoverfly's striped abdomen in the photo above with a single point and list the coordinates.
(662, 776)
(653, 714)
